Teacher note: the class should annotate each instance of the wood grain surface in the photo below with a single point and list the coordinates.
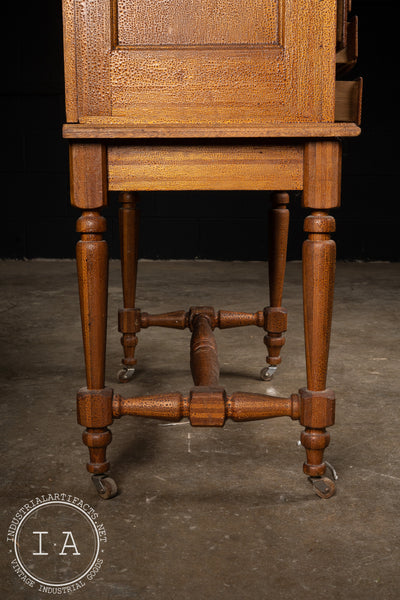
(113, 129)
(205, 166)
(239, 63)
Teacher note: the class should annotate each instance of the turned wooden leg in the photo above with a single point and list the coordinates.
(127, 317)
(317, 403)
(322, 186)
(319, 254)
(92, 265)
(95, 401)
(275, 314)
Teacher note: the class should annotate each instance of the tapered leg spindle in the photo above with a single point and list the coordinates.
(319, 255)
(92, 265)
(94, 402)
(275, 314)
(128, 326)
(322, 168)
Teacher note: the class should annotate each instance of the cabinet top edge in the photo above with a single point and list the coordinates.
(131, 131)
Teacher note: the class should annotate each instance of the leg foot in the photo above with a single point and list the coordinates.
(97, 441)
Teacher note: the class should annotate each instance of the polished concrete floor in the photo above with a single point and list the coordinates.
(210, 513)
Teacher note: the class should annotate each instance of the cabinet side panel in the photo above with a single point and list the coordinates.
(71, 92)
(93, 43)
(313, 58)
(228, 74)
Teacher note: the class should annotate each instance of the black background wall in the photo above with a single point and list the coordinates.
(37, 220)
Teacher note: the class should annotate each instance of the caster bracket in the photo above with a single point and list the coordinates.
(125, 374)
(268, 372)
(97, 482)
(323, 486)
(105, 486)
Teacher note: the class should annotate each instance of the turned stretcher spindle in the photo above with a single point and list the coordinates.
(203, 353)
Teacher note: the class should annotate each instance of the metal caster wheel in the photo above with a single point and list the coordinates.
(323, 486)
(105, 486)
(267, 373)
(125, 374)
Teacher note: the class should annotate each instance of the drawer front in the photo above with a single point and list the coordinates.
(200, 61)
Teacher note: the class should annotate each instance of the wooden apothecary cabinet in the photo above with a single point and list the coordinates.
(208, 95)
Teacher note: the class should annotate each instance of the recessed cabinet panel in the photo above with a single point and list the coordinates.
(196, 22)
